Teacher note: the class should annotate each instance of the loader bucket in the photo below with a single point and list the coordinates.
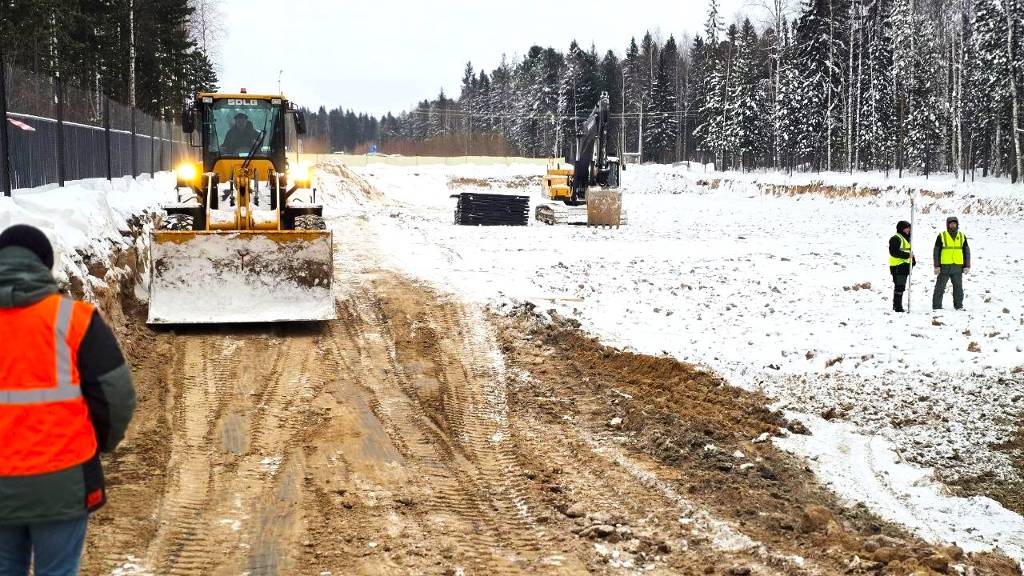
(228, 277)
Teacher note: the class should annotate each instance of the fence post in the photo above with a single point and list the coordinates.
(58, 88)
(5, 144)
(152, 146)
(106, 135)
(163, 147)
(135, 164)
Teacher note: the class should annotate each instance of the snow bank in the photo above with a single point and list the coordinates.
(789, 294)
(87, 221)
(938, 192)
(869, 469)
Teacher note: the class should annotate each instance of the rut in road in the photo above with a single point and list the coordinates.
(232, 480)
(438, 392)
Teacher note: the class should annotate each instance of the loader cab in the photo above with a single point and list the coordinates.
(233, 128)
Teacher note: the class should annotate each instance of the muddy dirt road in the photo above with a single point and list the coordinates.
(421, 435)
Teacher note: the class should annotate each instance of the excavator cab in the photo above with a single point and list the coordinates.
(246, 240)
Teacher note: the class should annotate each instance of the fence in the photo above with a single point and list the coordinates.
(363, 159)
(56, 133)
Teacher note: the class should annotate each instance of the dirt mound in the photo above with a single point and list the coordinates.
(351, 182)
(931, 200)
(515, 182)
(716, 438)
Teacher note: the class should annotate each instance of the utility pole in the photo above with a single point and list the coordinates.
(640, 136)
(279, 72)
(622, 121)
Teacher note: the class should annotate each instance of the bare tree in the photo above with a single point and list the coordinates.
(778, 11)
(206, 27)
(1010, 10)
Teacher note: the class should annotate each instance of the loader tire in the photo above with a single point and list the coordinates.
(310, 222)
(178, 222)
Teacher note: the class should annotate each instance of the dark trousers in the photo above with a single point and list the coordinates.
(954, 273)
(899, 286)
(53, 547)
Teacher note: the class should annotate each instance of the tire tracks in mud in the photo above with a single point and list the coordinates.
(232, 492)
(426, 396)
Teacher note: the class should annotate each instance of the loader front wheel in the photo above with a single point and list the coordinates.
(310, 222)
(179, 222)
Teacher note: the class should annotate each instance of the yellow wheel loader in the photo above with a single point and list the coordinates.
(584, 188)
(246, 239)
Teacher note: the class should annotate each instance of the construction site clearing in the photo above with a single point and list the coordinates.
(716, 387)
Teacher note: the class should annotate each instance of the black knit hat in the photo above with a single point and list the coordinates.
(901, 225)
(951, 219)
(31, 238)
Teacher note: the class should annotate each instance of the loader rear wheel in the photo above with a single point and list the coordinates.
(310, 222)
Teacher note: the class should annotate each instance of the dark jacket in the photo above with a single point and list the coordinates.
(107, 389)
(896, 252)
(239, 140)
(937, 252)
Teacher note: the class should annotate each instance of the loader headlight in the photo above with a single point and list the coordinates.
(186, 174)
(301, 174)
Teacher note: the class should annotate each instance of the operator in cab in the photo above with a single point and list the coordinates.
(240, 137)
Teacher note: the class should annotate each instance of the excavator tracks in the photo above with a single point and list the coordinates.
(556, 213)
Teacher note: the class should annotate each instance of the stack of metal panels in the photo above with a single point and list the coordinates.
(475, 209)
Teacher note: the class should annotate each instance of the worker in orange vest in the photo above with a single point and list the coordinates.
(66, 395)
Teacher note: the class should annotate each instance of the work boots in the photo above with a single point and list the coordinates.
(897, 302)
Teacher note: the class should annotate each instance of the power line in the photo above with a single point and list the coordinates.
(462, 114)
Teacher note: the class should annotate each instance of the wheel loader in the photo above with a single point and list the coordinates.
(584, 188)
(246, 239)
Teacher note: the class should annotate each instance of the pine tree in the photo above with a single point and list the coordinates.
(611, 82)
(695, 101)
(578, 93)
(632, 71)
(878, 116)
(660, 136)
(468, 98)
(711, 132)
(819, 32)
(924, 108)
(789, 110)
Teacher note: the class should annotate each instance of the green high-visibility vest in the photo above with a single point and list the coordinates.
(905, 246)
(952, 248)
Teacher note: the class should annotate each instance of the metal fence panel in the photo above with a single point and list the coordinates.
(121, 153)
(57, 131)
(84, 152)
(33, 151)
(144, 159)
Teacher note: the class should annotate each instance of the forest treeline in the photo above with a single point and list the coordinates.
(905, 85)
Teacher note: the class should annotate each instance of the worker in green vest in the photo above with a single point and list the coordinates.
(952, 257)
(900, 261)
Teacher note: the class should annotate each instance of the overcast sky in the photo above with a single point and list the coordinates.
(385, 55)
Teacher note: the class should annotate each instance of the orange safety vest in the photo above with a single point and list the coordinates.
(44, 420)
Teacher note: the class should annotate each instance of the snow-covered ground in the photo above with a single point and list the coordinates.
(87, 221)
(789, 294)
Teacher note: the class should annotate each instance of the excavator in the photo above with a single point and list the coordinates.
(583, 189)
(246, 240)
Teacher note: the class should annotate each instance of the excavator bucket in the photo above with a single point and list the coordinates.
(604, 208)
(250, 276)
